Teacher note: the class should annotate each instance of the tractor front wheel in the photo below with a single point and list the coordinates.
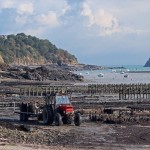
(58, 119)
(77, 119)
(47, 115)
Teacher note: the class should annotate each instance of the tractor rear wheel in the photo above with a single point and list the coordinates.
(40, 117)
(58, 119)
(47, 115)
(77, 119)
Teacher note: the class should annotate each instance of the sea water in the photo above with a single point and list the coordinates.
(131, 74)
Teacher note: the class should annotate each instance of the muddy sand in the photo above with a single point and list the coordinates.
(90, 135)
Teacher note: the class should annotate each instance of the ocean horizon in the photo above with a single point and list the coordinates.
(134, 67)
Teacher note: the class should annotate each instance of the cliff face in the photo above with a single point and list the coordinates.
(29, 50)
(147, 64)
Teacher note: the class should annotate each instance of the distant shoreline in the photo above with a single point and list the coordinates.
(139, 72)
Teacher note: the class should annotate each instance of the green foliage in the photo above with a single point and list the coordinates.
(22, 46)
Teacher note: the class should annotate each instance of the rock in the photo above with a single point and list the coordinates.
(42, 73)
(147, 64)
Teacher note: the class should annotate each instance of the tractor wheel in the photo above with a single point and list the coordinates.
(64, 120)
(58, 119)
(23, 108)
(23, 117)
(47, 115)
(77, 119)
(40, 117)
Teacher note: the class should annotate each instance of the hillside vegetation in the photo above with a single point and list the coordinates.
(29, 50)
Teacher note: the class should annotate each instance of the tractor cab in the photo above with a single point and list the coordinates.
(62, 100)
(63, 104)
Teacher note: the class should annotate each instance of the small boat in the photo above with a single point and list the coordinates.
(80, 73)
(122, 72)
(113, 70)
(100, 75)
(126, 75)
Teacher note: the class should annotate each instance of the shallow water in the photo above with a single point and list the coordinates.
(114, 77)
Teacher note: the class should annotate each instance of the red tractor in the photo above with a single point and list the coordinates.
(57, 109)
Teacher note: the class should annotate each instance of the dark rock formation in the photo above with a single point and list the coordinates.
(41, 73)
(147, 64)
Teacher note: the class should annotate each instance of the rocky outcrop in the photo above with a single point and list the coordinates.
(80, 67)
(42, 73)
(147, 64)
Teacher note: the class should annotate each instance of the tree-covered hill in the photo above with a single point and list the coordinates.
(29, 50)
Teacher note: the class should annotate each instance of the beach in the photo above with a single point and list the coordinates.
(127, 135)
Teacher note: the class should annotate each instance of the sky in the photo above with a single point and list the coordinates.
(98, 32)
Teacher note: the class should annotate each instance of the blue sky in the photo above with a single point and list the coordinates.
(100, 32)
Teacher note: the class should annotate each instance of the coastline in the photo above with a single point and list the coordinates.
(62, 75)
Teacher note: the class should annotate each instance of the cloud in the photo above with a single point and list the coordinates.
(88, 13)
(50, 12)
(51, 19)
(128, 30)
(6, 3)
(58, 6)
(106, 22)
(46, 13)
(36, 32)
(33, 17)
(24, 11)
(20, 19)
(25, 8)
(103, 17)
